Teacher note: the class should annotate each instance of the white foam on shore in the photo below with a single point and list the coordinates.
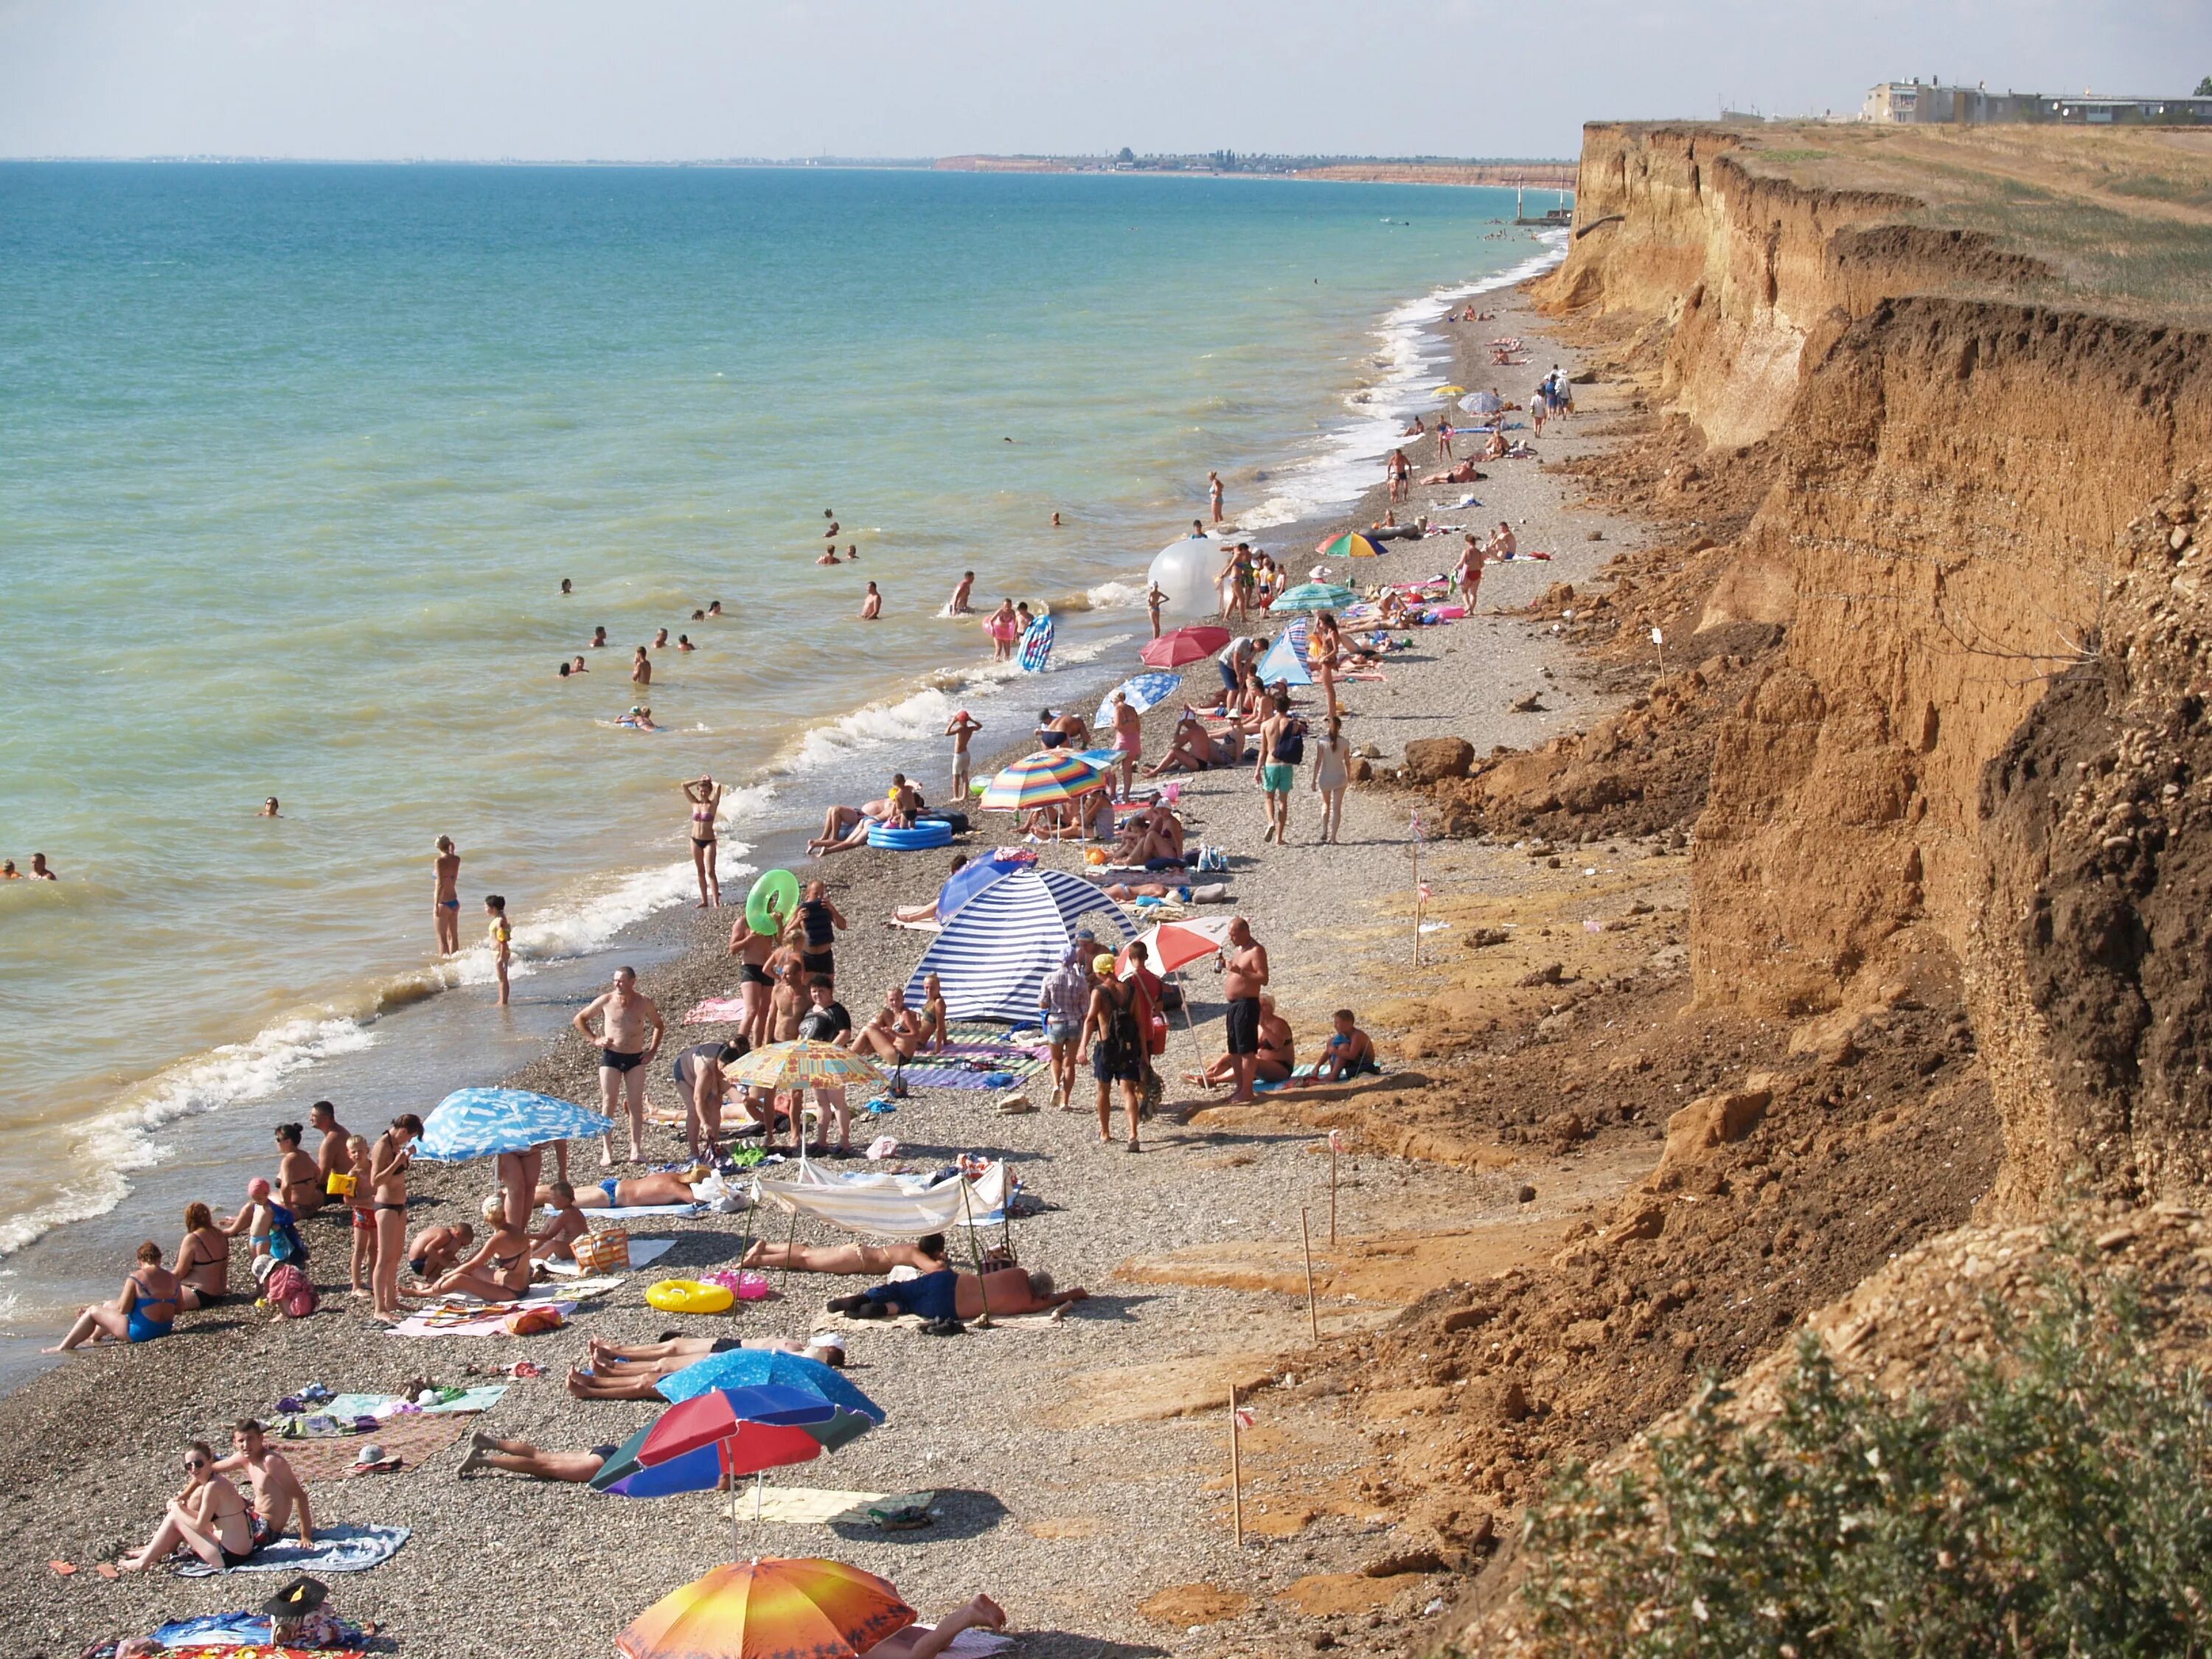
(1407, 351)
(1115, 596)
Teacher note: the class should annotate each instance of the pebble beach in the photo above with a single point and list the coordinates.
(1079, 1465)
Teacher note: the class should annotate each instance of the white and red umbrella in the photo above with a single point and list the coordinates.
(1174, 945)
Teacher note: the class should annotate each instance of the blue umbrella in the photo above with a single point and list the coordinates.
(969, 879)
(750, 1368)
(1145, 692)
(484, 1122)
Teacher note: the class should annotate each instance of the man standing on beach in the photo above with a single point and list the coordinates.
(961, 727)
(1246, 979)
(630, 1033)
(446, 899)
(1281, 747)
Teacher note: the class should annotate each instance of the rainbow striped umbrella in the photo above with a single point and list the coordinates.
(804, 1064)
(1044, 779)
(769, 1609)
(1350, 545)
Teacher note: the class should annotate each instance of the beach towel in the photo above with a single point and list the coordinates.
(1001, 1072)
(336, 1549)
(715, 1011)
(891, 1206)
(346, 1406)
(254, 1631)
(630, 1212)
(476, 1319)
(413, 1440)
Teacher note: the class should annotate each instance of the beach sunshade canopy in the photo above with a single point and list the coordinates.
(991, 960)
(1313, 595)
(1350, 545)
(1044, 779)
(485, 1122)
(752, 1367)
(1449, 391)
(1285, 663)
(1145, 692)
(1174, 945)
(969, 879)
(888, 1205)
(1184, 645)
(1483, 403)
(803, 1064)
(769, 1609)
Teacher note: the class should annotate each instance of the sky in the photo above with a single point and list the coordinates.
(679, 80)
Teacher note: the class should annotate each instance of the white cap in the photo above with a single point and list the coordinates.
(826, 1340)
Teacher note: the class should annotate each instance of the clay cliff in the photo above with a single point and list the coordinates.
(1984, 734)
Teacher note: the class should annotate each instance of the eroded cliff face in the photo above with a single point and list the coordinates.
(1956, 528)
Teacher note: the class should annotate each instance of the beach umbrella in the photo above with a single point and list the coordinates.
(1350, 545)
(1144, 691)
(1449, 390)
(678, 1451)
(1044, 779)
(1313, 595)
(752, 1449)
(969, 879)
(802, 1064)
(769, 1609)
(1483, 403)
(749, 1368)
(1174, 945)
(1184, 645)
(485, 1122)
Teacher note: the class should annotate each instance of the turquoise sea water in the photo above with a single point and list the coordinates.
(294, 459)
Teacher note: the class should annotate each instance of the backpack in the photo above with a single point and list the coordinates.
(287, 1288)
(1290, 743)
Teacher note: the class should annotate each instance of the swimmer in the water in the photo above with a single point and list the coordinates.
(565, 671)
(828, 556)
(1055, 521)
(38, 871)
(852, 554)
(598, 638)
(957, 604)
(269, 809)
(684, 642)
(872, 606)
(713, 607)
(9, 872)
(641, 669)
(566, 587)
(831, 533)
(660, 640)
(577, 667)
(698, 616)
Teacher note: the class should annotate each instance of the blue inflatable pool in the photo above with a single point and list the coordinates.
(919, 838)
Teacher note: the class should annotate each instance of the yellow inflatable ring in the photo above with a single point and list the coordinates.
(689, 1296)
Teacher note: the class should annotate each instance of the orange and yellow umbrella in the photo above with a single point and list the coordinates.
(769, 1609)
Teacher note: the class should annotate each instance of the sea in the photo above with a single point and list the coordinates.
(294, 460)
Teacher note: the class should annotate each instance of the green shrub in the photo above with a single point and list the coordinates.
(2053, 1502)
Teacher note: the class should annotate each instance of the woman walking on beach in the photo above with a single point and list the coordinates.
(1332, 772)
(387, 1190)
(706, 798)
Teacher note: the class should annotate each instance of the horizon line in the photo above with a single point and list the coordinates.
(1104, 162)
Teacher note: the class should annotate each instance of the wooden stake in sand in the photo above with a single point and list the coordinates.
(1313, 1319)
(1235, 1471)
(1335, 1137)
(1420, 893)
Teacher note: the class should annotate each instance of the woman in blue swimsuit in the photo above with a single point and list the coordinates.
(142, 1310)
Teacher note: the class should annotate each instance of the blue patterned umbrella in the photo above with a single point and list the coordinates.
(753, 1367)
(484, 1122)
(1145, 692)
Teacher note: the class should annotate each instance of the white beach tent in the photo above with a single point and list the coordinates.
(993, 955)
(889, 1206)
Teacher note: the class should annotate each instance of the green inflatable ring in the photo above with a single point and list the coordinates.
(772, 901)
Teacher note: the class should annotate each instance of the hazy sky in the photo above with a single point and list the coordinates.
(674, 79)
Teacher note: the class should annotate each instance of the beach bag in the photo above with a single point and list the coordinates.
(529, 1321)
(603, 1250)
(284, 1242)
(1211, 859)
(287, 1290)
(1291, 744)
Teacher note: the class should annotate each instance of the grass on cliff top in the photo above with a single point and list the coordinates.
(2055, 1503)
(2124, 216)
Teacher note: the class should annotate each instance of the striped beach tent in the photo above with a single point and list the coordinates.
(993, 955)
(1285, 661)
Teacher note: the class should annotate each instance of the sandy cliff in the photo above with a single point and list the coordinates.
(1982, 734)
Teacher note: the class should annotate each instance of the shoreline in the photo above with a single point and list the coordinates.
(1070, 1482)
(337, 1046)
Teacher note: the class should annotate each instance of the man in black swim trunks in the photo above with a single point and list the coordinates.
(1246, 979)
(699, 1080)
(630, 1033)
(822, 922)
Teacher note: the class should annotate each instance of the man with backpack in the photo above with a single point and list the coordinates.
(1282, 747)
(1116, 1044)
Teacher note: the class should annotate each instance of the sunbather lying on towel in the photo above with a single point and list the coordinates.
(612, 1377)
(1465, 472)
(825, 1348)
(924, 1256)
(633, 1192)
(488, 1451)
(946, 1295)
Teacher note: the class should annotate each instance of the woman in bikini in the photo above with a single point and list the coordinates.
(203, 1260)
(893, 1031)
(936, 1020)
(500, 1270)
(210, 1518)
(706, 798)
(299, 1177)
(1004, 629)
(142, 1310)
(387, 1190)
(1129, 741)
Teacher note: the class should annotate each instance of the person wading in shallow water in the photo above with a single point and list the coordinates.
(445, 898)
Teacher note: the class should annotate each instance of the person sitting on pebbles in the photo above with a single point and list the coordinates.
(1276, 1060)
